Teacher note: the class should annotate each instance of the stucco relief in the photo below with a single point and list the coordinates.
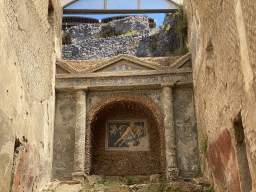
(124, 67)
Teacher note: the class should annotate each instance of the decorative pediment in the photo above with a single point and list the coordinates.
(63, 68)
(123, 63)
(126, 63)
(123, 67)
(183, 62)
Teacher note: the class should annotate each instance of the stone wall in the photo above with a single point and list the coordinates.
(64, 136)
(30, 41)
(222, 42)
(123, 105)
(119, 27)
(89, 42)
(186, 131)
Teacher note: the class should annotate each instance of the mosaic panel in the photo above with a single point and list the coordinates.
(130, 135)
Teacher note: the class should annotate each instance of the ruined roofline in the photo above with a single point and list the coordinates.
(69, 21)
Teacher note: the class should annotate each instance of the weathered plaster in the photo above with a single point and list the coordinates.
(224, 82)
(27, 78)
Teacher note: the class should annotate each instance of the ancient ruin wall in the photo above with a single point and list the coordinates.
(105, 106)
(186, 131)
(89, 41)
(222, 42)
(64, 136)
(29, 42)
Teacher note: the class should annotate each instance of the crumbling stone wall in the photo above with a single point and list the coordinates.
(100, 41)
(119, 27)
(30, 42)
(222, 42)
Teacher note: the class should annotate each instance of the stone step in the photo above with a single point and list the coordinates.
(152, 183)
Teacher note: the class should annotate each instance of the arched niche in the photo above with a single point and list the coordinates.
(128, 108)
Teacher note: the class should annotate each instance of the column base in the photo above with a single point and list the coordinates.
(173, 173)
(78, 176)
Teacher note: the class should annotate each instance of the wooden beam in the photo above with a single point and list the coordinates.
(116, 11)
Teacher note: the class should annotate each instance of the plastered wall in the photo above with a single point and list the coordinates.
(186, 131)
(222, 39)
(30, 41)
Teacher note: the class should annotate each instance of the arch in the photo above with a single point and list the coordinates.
(131, 101)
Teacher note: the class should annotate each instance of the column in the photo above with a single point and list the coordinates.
(79, 155)
(172, 170)
(139, 4)
(105, 4)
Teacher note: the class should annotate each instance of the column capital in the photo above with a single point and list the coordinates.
(170, 84)
(81, 88)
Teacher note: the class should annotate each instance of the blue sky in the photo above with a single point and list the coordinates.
(123, 4)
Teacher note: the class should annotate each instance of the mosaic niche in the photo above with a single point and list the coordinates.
(130, 135)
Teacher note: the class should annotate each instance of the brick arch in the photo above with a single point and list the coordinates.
(148, 104)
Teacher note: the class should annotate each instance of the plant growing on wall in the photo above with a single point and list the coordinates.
(204, 145)
(181, 30)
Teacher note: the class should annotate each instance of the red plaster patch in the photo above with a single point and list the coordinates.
(27, 169)
(221, 159)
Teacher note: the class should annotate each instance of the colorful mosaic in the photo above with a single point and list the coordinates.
(128, 135)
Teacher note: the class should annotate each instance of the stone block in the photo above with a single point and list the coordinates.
(112, 178)
(155, 178)
(93, 179)
(173, 173)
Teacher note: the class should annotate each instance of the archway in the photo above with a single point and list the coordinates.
(101, 161)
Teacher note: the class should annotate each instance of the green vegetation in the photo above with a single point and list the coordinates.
(183, 51)
(176, 189)
(131, 181)
(132, 32)
(155, 43)
(108, 31)
(199, 173)
(181, 30)
(66, 39)
(204, 145)
(108, 183)
(163, 183)
(209, 190)
(182, 23)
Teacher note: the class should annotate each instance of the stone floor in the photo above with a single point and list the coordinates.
(153, 183)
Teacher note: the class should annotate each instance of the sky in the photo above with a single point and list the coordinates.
(123, 4)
